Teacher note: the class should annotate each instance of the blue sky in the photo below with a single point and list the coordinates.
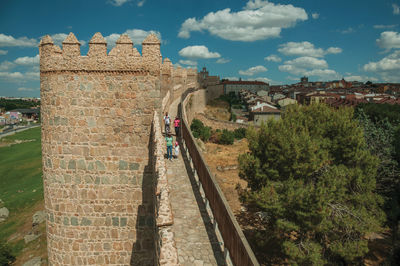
(273, 41)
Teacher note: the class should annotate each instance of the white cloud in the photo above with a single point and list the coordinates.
(32, 75)
(28, 89)
(388, 67)
(7, 40)
(198, 51)
(263, 79)
(308, 66)
(11, 76)
(27, 61)
(389, 40)
(307, 62)
(258, 20)
(396, 9)
(273, 58)
(232, 78)
(136, 35)
(188, 62)
(333, 50)
(18, 77)
(3, 52)
(306, 49)
(347, 31)
(118, 2)
(315, 15)
(141, 3)
(6, 65)
(253, 70)
(360, 78)
(325, 74)
(223, 61)
(385, 26)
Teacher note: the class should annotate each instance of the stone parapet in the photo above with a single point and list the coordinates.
(123, 57)
(168, 254)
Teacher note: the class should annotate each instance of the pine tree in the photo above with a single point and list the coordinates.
(313, 176)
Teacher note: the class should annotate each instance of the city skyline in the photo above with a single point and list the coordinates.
(271, 41)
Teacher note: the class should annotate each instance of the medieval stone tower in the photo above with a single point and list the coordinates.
(97, 113)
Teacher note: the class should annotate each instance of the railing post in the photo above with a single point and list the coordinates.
(215, 225)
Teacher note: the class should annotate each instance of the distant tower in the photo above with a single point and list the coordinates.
(304, 80)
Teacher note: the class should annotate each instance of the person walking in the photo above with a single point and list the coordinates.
(167, 121)
(169, 141)
(176, 149)
(177, 125)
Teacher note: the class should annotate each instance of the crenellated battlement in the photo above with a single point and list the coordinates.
(123, 57)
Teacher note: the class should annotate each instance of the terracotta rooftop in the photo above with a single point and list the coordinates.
(266, 109)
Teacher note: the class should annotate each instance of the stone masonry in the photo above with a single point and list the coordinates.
(98, 169)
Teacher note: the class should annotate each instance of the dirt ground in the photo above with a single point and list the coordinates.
(223, 163)
(218, 109)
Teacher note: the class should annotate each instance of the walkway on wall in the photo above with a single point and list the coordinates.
(195, 239)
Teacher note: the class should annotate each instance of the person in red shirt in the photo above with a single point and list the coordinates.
(177, 125)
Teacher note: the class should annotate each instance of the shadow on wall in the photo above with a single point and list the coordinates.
(143, 251)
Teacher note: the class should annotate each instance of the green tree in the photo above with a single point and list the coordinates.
(227, 137)
(383, 141)
(199, 130)
(313, 176)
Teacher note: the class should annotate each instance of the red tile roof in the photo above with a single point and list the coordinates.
(266, 109)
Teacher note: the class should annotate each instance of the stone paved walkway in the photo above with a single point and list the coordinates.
(195, 239)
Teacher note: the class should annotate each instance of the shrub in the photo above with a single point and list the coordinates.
(199, 130)
(227, 137)
(240, 133)
(233, 117)
(216, 136)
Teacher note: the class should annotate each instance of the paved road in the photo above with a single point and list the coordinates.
(195, 239)
(13, 131)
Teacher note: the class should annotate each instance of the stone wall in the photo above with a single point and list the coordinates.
(195, 102)
(219, 124)
(98, 159)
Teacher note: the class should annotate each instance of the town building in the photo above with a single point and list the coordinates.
(236, 86)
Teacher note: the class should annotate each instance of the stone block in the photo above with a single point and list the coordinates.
(100, 166)
(123, 165)
(115, 221)
(81, 164)
(133, 166)
(74, 221)
(72, 164)
(123, 221)
(85, 221)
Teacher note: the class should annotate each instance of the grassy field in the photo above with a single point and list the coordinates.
(21, 186)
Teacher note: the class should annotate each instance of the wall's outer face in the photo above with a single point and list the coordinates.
(263, 118)
(96, 115)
